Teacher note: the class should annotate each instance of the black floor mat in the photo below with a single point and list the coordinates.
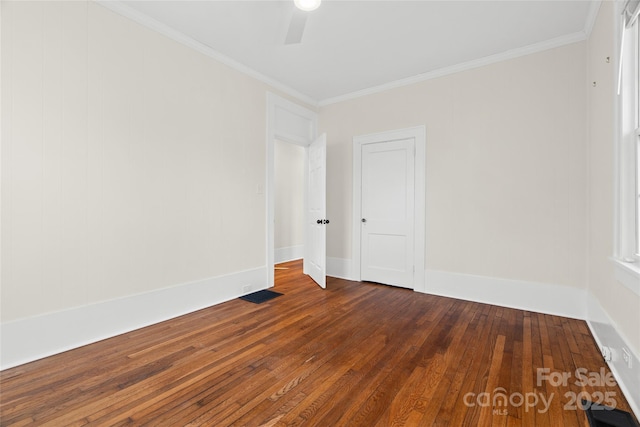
(603, 416)
(261, 296)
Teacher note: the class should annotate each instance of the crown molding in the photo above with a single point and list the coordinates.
(594, 8)
(130, 13)
(142, 19)
(476, 63)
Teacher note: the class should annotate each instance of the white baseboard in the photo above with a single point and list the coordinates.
(550, 299)
(606, 333)
(33, 338)
(339, 267)
(289, 253)
(558, 300)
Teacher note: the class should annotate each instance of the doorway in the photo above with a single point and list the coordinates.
(293, 124)
(289, 195)
(389, 207)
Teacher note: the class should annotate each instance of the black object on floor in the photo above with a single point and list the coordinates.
(604, 416)
(261, 296)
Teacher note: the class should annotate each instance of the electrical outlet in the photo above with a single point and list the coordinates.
(606, 353)
(626, 356)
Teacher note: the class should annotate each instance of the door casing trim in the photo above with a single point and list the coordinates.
(418, 133)
(287, 131)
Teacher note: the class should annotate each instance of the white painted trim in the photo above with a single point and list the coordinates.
(288, 253)
(33, 338)
(465, 66)
(142, 19)
(419, 134)
(305, 197)
(272, 133)
(617, 134)
(145, 20)
(546, 298)
(605, 332)
(624, 168)
(339, 267)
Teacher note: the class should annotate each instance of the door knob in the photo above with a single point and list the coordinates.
(364, 220)
(326, 221)
(319, 221)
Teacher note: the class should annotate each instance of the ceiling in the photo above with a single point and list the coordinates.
(351, 47)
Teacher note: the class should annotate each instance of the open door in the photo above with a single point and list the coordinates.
(315, 262)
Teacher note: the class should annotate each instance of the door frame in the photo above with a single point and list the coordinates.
(418, 133)
(294, 124)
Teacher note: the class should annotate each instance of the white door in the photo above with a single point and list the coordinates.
(387, 223)
(316, 241)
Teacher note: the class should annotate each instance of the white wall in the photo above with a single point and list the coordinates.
(614, 310)
(505, 162)
(621, 303)
(289, 201)
(129, 162)
(133, 178)
(520, 180)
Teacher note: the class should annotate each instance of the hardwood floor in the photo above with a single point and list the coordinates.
(352, 355)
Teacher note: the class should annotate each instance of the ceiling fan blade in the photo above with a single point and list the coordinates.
(296, 27)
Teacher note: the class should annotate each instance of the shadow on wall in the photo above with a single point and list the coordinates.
(289, 201)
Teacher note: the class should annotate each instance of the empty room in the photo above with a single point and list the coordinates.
(324, 213)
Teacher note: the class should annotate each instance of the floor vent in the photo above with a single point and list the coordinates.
(605, 416)
(261, 296)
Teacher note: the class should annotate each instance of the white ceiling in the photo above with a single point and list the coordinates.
(354, 46)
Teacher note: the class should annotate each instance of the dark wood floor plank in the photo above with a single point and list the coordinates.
(355, 354)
